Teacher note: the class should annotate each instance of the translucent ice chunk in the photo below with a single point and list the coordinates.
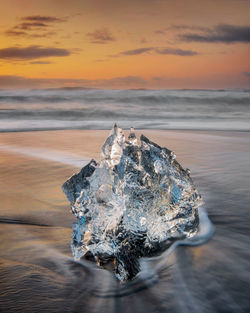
(135, 203)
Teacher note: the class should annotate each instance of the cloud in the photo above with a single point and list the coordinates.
(221, 33)
(42, 35)
(180, 27)
(136, 51)
(29, 35)
(41, 18)
(31, 52)
(12, 32)
(30, 26)
(187, 27)
(157, 50)
(8, 81)
(101, 36)
(41, 62)
(35, 26)
(247, 74)
(179, 52)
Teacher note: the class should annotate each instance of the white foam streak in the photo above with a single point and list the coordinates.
(47, 155)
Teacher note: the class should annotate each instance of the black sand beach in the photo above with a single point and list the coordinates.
(37, 272)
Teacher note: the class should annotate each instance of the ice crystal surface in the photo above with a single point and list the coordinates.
(134, 203)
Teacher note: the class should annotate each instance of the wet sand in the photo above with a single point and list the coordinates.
(37, 273)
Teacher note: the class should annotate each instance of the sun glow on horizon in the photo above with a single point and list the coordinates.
(113, 44)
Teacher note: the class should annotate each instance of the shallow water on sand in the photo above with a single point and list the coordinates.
(37, 272)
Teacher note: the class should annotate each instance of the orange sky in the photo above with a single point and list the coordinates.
(125, 44)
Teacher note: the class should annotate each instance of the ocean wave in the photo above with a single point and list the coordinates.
(125, 96)
(161, 107)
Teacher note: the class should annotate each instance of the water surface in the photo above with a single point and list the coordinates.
(99, 109)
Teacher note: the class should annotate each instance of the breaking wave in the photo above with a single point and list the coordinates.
(92, 108)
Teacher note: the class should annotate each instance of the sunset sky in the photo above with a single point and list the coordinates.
(125, 44)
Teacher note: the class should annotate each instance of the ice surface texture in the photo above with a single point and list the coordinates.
(135, 203)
